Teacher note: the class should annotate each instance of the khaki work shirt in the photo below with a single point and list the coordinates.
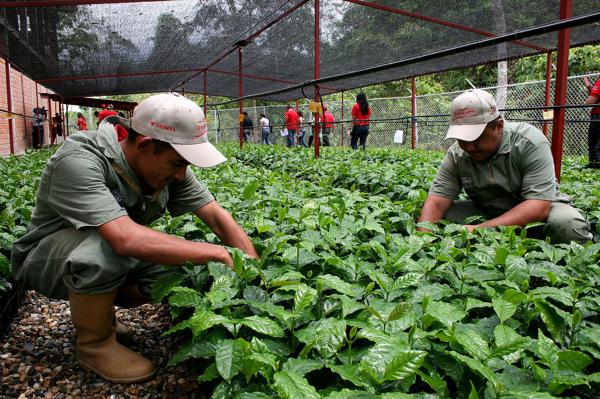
(522, 169)
(88, 183)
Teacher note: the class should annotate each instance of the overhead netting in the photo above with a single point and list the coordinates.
(104, 49)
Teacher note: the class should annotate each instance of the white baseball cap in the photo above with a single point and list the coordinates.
(172, 118)
(470, 113)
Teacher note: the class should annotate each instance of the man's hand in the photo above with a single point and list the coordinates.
(433, 210)
(471, 227)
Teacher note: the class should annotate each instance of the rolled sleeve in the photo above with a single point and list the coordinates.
(447, 183)
(188, 195)
(77, 192)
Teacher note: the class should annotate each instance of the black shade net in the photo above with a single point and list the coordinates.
(122, 48)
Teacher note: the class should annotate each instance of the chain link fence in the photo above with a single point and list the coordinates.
(390, 115)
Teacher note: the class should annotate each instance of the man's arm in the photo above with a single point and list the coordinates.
(592, 99)
(129, 239)
(527, 211)
(223, 225)
(434, 209)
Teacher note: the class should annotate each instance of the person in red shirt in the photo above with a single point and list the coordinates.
(361, 113)
(106, 112)
(594, 130)
(327, 126)
(81, 122)
(291, 124)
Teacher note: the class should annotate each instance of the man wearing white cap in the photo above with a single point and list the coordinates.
(507, 172)
(88, 242)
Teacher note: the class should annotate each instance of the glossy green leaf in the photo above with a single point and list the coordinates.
(263, 325)
(292, 386)
(229, 357)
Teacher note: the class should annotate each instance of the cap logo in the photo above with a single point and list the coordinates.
(492, 109)
(463, 113)
(162, 126)
(201, 128)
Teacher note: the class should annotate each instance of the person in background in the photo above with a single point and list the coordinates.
(37, 134)
(507, 172)
(81, 122)
(106, 112)
(594, 129)
(265, 129)
(361, 114)
(291, 124)
(328, 120)
(88, 242)
(247, 127)
(301, 132)
(56, 128)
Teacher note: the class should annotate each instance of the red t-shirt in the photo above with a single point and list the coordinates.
(327, 120)
(105, 113)
(291, 119)
(359, 117)
(596, 93)
(121, 132)
(81, 124)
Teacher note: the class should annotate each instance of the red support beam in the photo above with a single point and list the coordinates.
(240, 77)
(441, 22)
(49, 120)
(317, 61)
(548, 86)
(413, 110)
(9, 106)
(560, 87)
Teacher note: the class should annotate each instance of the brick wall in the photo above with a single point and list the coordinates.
(23, 94)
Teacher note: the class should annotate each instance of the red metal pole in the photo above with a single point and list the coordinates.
(560, 86)
(241, 94)
(413, 106)
(343, 131)
(548, 86)
(317, 73)
(9, 105)
(49, 118)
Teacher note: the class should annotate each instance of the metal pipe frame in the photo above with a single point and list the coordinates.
(560, 87)
(538, 30)
(413, 111)
(440, 22)
(11, 139)
(548, 85)
(317, 61)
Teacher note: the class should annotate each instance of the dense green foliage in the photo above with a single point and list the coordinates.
(348, 301)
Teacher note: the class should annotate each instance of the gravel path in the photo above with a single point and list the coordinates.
(37, 356)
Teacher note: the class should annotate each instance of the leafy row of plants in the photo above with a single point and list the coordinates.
(348, 300)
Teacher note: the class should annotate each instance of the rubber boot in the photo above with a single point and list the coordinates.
(123, 333)
(97, 346)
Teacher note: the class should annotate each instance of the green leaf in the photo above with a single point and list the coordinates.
(473, 394)
(472, 342)
(210, 373)
(351, 373)
(573, 360)
(504, 309)
(385, 361)
(547, 350)
(205, 319)
(500, 257)
(164, 285)
(446, 313)
(551, 318)
(185, 297)
(399, 311)
(516, 269)
(229, 357)
(5, 266)
(351, 394)
(263, 325)
(304, 297)
(302, 366)
(292, 386)
(349, 305)
(250, 189)
(337, 284)
(476, 366)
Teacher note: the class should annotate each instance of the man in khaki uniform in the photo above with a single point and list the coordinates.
(507, 172)
(88, 242)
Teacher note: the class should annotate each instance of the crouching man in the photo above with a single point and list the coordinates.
(507, 172)
(88, 242)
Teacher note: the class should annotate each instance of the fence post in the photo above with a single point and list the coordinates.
(343, 131)
(413, 102)
(9, 106)
(548, 86)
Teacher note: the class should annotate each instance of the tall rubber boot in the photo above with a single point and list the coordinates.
(97, 346)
